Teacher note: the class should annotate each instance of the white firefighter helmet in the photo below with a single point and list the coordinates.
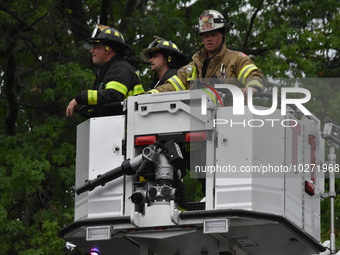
(211, 20)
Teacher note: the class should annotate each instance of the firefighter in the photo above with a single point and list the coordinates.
(214, 60)
(116, 79)
(165, 59)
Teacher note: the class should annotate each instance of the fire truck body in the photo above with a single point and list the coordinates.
(262, 187)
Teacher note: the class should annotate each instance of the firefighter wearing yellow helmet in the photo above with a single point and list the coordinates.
(214, 60)
(115, 80)
(164, 58)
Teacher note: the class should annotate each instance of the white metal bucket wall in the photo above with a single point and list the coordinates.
(284, 194)
(247, 146)
(312, 203)
(294, 180)
(165, 113)
(99, 149)
(300, 207)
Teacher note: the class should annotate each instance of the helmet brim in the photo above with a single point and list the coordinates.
(181, 59)
(223, 30)
(145, 54)
(128, 50)
(121, 48)
(90, 44)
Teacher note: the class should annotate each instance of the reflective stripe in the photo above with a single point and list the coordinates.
(245, 72)
(153, 91)
(254, 83)
(117, 86)
(137, 89)
(192, 75)
(177, 83)
(92, 97)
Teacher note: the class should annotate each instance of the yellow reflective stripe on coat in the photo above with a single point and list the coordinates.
(153, 91)
(254, 83)
(192, 73)
(117, 86)
(92, 97)
(176, 83)
(245, 72)
(137, 89)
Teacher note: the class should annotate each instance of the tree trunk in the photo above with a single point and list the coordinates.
(10, 90)
(104, 12)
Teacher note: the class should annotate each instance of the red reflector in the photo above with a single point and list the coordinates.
(145, 140)
(309, 188)
(195, 136)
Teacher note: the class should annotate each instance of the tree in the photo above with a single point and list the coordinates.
(40, 69)
(43, 66)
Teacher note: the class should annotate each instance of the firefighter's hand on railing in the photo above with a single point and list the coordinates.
(70, 107)
(108, 109)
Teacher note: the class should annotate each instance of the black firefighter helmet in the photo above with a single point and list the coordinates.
(110, 37)
(169, 50)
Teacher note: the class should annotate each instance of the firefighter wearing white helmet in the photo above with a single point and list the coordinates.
(214, 60)
(165, 59)
(115, 80)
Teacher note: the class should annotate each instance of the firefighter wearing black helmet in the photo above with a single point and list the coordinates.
(116, 79)
(165, 59)
(214, 60)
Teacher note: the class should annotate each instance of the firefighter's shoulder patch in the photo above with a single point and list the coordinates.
(183, 69)
(243, 55)
(186, 69)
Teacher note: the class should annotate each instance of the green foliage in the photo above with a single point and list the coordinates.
(37, 189)
(43, 65)
(193, 189)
